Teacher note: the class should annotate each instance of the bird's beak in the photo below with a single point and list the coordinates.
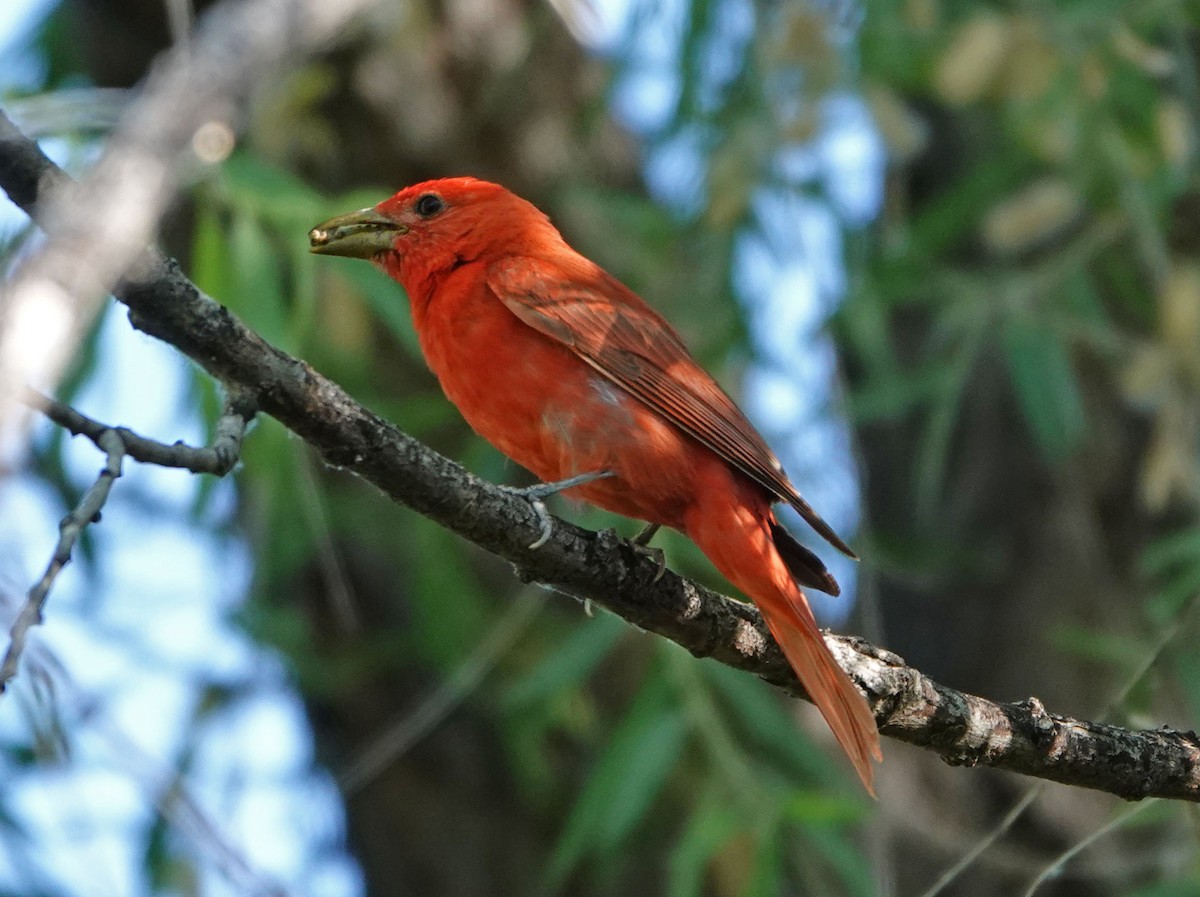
(359, 235)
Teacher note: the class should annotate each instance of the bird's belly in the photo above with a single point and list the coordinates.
(651, 459)
(550, 412)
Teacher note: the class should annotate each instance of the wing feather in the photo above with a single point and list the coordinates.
(608, 326)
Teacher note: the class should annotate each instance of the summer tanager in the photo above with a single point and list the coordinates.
(569, 373)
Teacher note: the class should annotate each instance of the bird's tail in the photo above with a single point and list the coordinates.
(742, 546)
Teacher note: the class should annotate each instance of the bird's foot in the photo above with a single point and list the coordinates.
(641, 545)
(536, 496)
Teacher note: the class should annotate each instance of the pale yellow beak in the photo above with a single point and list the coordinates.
(358, 235)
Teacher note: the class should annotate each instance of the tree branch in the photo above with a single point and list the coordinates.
(218, 458)
(963, 729)
(69, 531)
(116, 443)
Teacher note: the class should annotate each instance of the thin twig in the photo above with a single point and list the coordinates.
(69, 530)
(1032, 794)
(402, 735)
(1063, 858)
(218, 458)
(980, 847)
(117, 443)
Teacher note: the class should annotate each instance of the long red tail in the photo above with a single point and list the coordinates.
(739, 544)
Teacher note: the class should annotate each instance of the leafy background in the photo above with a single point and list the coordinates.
(381, 709)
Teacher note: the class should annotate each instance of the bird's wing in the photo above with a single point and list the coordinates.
(617, 333)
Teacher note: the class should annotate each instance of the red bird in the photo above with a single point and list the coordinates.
(569, 373)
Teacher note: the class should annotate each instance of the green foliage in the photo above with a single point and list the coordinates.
(624, 781)
(1044, 383)
(1021, 334)
(567, 666)
(1174, 562)
(755, 782)
(759, 719)
(711, 827)
(966, 251)
(1166, 889)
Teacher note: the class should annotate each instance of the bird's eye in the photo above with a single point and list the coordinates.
(429, 204)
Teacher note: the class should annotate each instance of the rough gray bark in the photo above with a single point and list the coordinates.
(602, 567)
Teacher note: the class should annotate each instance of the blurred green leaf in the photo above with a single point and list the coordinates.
(624, 781)
(1080, 298)
(938, 428)
(449, 611)
(419, 413)
(1180, 549)
(271, 194)
(767, 868)
(953, 217)
(893, 397)
(210, 251)
(809, 806)
(1045, 386)
(761, 717)
(575, 658)
(1185, 666)
(1175, 595)
(710, 827)
(1098, 646)
(843, 855)
(385, 298)
(255, 285)
(1184, 887)
(863, 325)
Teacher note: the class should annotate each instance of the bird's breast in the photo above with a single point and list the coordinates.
(546, 408)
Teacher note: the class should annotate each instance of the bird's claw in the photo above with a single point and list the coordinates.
(641, 545)
(539, 508)
(655, 554)
(659, 557)
(536, 494)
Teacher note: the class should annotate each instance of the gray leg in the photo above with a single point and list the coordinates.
(644, 537)
(537, 494)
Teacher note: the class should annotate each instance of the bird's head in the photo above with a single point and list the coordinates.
(434, 227)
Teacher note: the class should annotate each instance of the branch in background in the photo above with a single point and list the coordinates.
(218, 458)
(400, 735)
(116, 443)
(186, 115)
(69, 531)
(602, 567)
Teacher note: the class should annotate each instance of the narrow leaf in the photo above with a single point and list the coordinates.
(1045, 386)
(624, 781)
